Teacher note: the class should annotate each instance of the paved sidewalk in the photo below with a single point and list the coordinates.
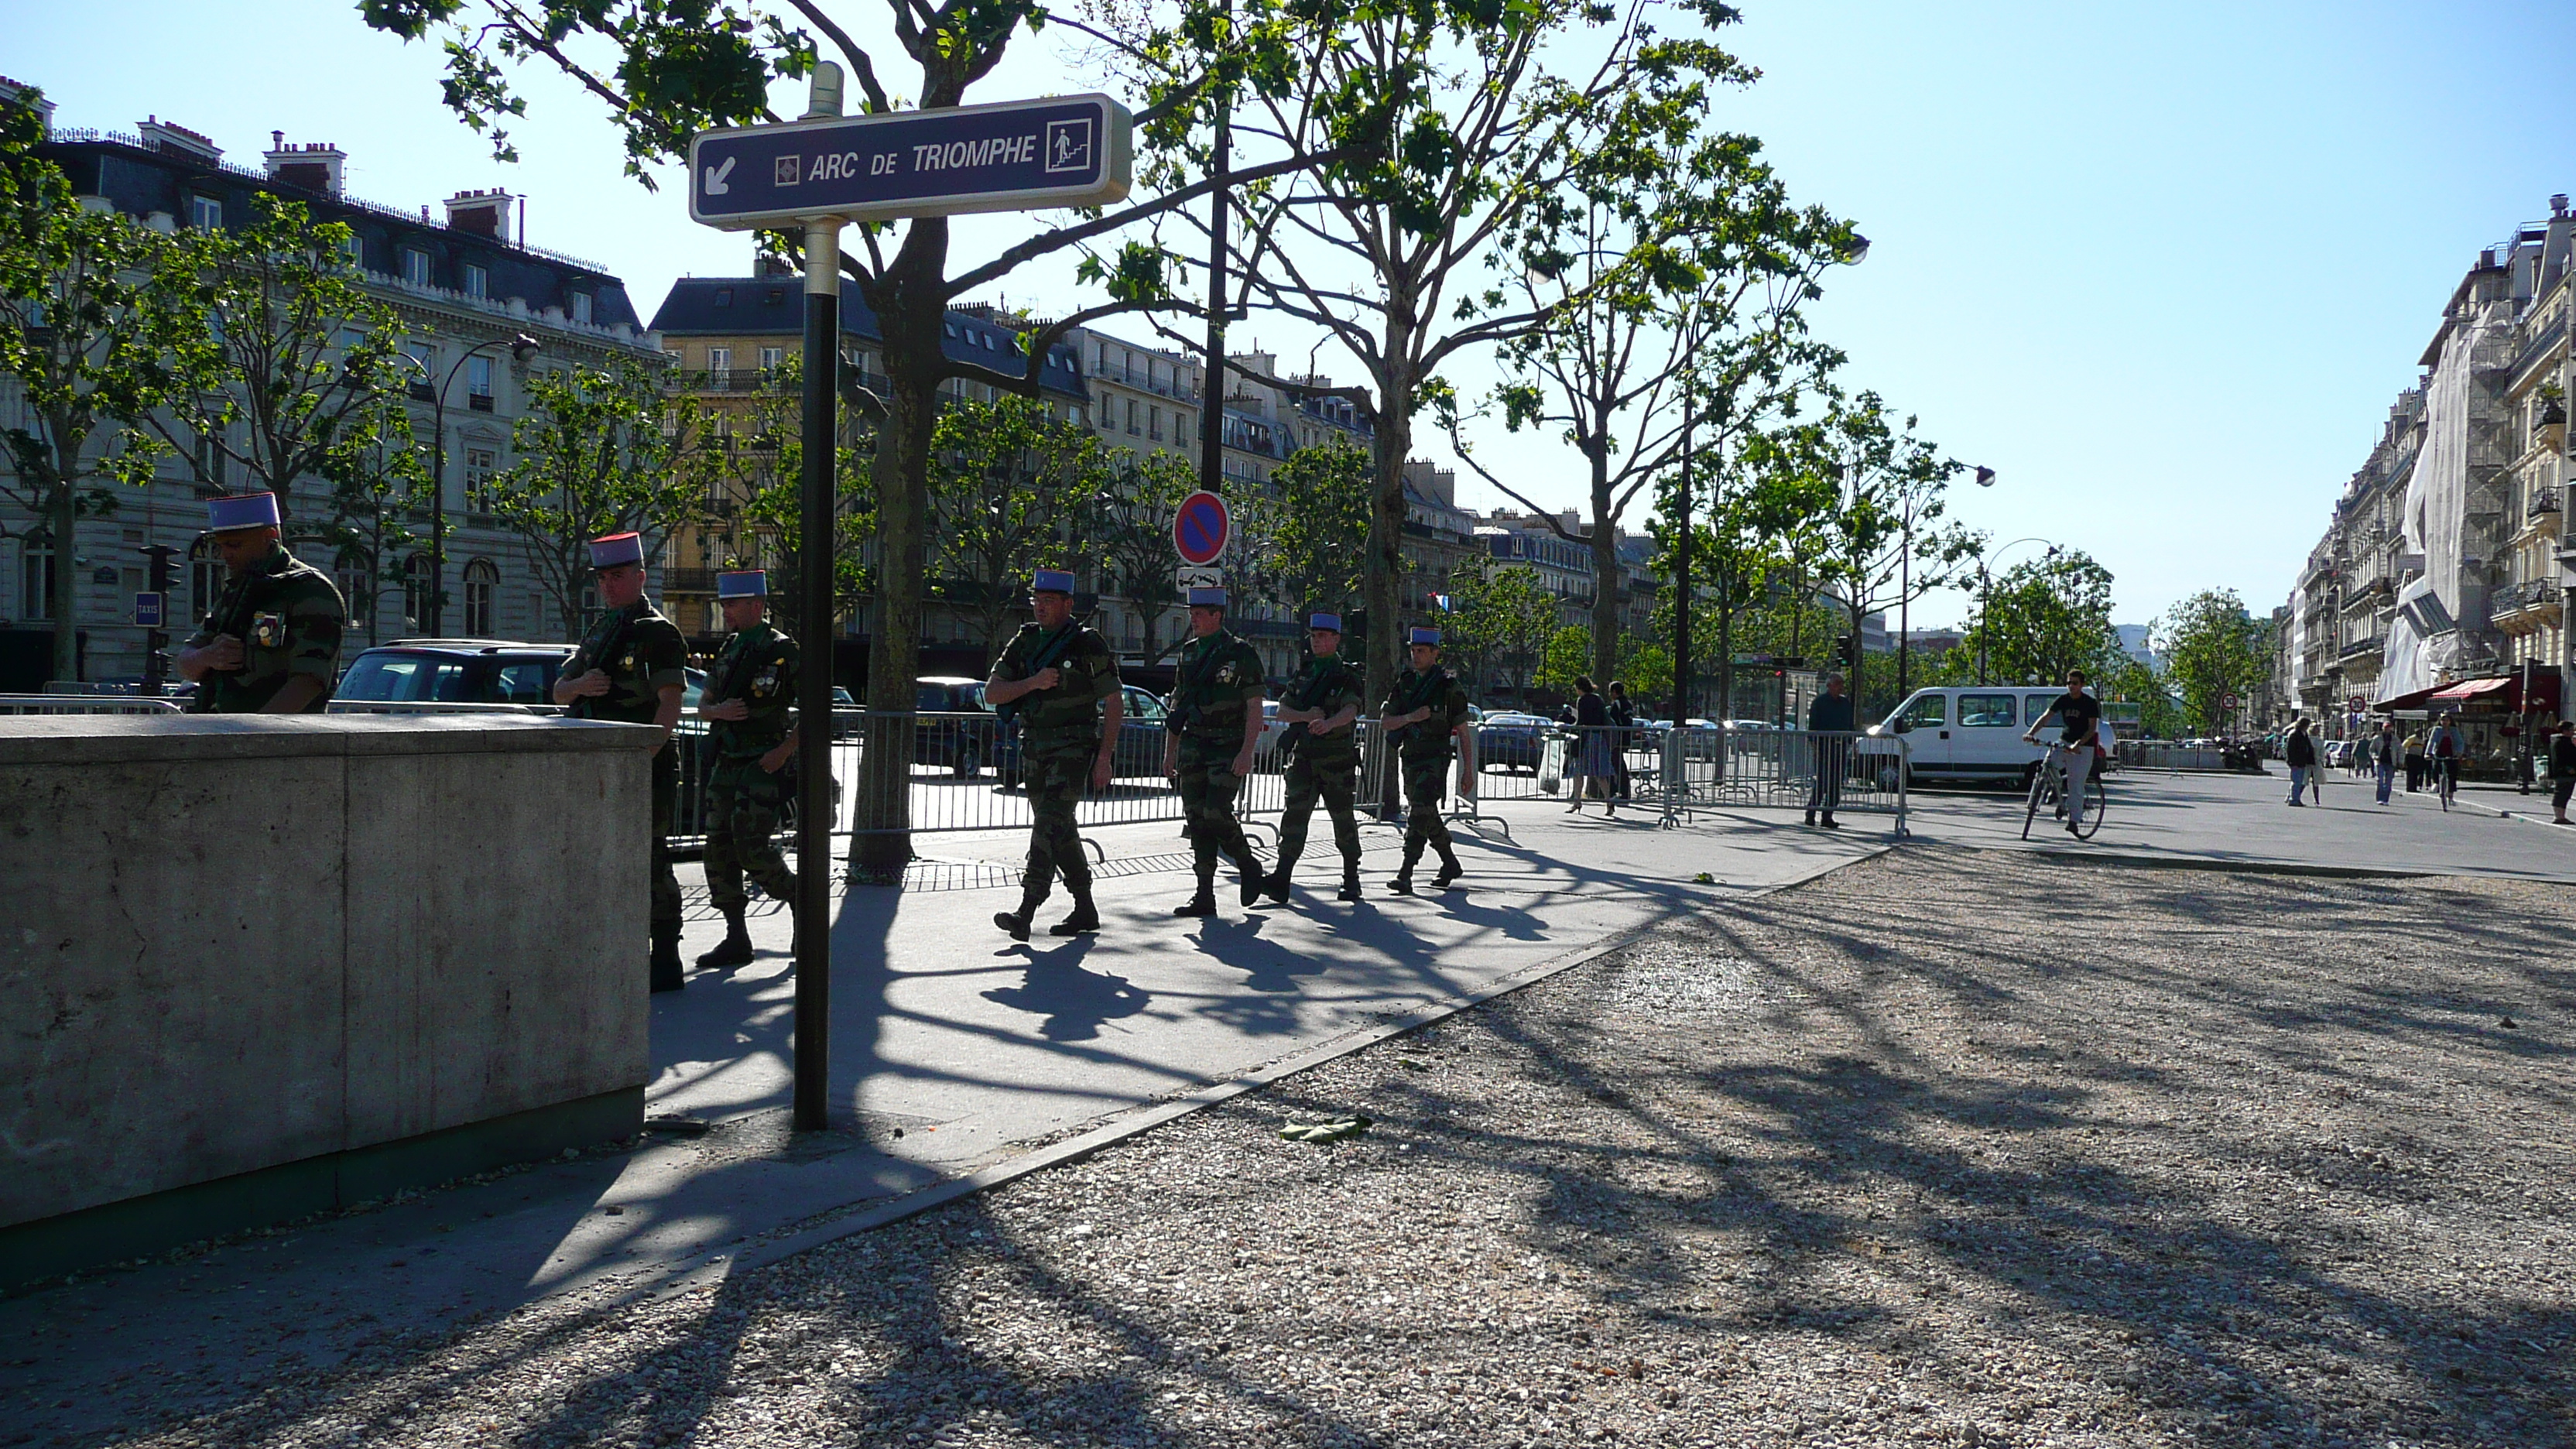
(953, 1047)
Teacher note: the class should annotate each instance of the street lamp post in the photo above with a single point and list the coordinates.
(1986, 594)
(521, 346)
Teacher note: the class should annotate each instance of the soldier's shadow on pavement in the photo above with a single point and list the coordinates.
(1075, 1002)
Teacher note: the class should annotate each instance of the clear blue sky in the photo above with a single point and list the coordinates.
(2163, 268)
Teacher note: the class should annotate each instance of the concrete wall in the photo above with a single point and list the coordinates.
(231, 943)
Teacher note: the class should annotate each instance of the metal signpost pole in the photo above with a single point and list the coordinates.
(815, 565)
(1212, 389)
(1681, 569)
(819, 173)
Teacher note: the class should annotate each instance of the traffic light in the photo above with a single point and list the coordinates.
(1846, 652)
(165, 567)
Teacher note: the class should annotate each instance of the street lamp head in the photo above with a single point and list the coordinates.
(1859, 249)
(522, 347)
(1985, 477)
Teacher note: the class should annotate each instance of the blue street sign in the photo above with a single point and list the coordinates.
(147, 611)
(1012, 156)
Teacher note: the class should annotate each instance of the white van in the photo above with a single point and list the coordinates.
(1973, 732)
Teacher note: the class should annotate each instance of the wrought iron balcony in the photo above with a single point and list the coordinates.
(2527, 594)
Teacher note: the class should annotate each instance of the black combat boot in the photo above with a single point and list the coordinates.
(734, 949)
(1016, 923)
(1084, 919)
(1403, 883)
(665, 971)
(1276, 887)
(1449, 872)
(1204, 903)
(1250, 879)
(1350, 880)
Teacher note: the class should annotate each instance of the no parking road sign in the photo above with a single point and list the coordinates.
(1199, 528)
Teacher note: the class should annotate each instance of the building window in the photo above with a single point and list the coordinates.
(415, 593)
(478, 282)
(481, 466)
(205, 213)
(1131, 417)
(211, 458)
(771, 358)
(581, 306)
(415, 267)
(1154, 424)
(478, 379)
(720, 365)
(36, 576)
(356, 251)
(482, 584)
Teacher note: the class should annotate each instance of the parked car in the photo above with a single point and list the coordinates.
(966, 738)
(455, 671)
(1510, 740)
(1962, 732)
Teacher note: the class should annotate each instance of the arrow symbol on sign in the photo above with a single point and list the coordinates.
(716, 176)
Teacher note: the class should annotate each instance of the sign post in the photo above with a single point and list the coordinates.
(820, 173)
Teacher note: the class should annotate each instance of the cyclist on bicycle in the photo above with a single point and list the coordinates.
(2446, 747)
(2079, 722)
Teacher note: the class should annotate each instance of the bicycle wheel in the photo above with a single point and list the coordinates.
(2095, 798)
(2038, 792)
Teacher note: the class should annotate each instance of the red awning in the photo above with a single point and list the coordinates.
(2468, 689)
(2496, 691)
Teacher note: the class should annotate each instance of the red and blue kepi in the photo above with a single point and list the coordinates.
(617, 550)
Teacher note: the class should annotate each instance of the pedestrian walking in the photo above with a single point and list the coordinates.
(2300, 753)
(2414, 762)
(632, 667)
(272, 643)
(1426, 716)
(2384, 748)
(1592, 749)
(1829, 723)
(1059, 680)
(1215, 717)
(1623, 719)
(749, 706)
(2562, 769)
(1322, 710)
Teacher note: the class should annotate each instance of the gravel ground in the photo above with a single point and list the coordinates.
(1946, 1148)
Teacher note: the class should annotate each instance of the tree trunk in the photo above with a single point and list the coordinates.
(1384, 581)
(1607, 584)
(64, 524)
(910, 307)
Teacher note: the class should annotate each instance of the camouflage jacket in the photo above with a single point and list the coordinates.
(642, 652)
(1213, 683)
(1327, 685)
(289, 618)
(758, 667)
(1086, 674)
(1431, 738)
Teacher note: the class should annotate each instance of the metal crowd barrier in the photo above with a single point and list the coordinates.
(86, 704)
(1714, 767)
(432, 706)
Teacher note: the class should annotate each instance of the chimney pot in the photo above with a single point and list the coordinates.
(481, 212)
(313, 165)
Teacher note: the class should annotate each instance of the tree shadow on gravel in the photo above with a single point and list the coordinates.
(2000, 1174)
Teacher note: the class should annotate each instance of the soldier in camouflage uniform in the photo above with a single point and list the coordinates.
(1061, 681)
(1325, 701)
(1423, 714)
(633, 667)
(1215, 717)
(749, 708)
(272, 644)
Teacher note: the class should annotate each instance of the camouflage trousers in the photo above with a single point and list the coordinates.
(1055, 776)
(1332, 781)
(1426, 787)
(1208, 787)
(742, 839)
(666, 802)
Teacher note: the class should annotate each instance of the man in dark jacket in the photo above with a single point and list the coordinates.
(2562, 769)
(1829, 720)
(2300, 754)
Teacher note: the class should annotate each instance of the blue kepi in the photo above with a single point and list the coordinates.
(242, 510)
(1051, 581)
(742, 584)
(617, 550)
(1207, 598)
(1426, 636)
(1332, 622)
